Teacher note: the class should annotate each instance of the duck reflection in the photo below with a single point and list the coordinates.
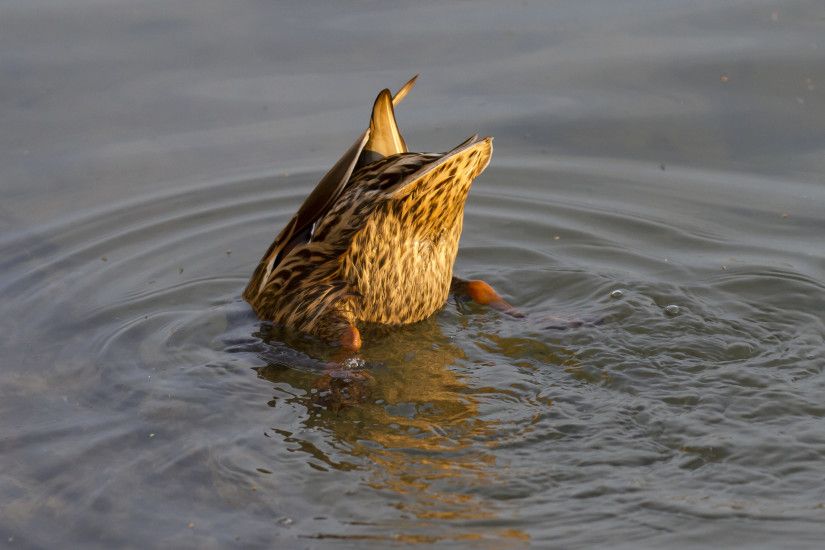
(404, 410)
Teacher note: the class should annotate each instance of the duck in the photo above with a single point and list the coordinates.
(375, 242)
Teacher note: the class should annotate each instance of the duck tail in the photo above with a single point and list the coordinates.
(403, 91)
(385, 138)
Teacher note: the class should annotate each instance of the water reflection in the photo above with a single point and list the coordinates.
(406, 417)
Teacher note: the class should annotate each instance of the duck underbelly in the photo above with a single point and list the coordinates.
(400, 279)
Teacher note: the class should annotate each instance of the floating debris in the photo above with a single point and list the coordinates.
(672, 310)
(724, 77)
(616, 294)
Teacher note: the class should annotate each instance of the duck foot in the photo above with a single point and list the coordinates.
(350, 339)
(482, 293)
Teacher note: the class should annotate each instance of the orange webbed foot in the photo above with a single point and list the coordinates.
(482, 293)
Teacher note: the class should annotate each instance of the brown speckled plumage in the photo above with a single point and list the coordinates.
(377, 239)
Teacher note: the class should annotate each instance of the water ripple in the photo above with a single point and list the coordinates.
(705, 365)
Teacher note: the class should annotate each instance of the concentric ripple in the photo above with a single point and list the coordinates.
(697, 396)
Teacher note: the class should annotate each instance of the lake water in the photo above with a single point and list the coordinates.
(671, 151)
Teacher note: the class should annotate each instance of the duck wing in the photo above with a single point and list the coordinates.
(381, 139)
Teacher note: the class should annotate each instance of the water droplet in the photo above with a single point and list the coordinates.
(616, 294)
(672, 310)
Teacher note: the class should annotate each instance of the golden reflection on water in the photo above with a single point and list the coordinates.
(414, 421)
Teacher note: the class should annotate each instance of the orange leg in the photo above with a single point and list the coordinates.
(349, 342)
(482, 293)
(343, 383)
(350, 339)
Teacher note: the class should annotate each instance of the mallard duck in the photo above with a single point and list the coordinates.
(376, 240)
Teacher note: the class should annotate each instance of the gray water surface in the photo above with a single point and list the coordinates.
(671, 151)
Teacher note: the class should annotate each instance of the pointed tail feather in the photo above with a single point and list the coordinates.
(385, 138)
(402, 93)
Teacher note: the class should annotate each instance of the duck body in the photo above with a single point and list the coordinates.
(376, 241)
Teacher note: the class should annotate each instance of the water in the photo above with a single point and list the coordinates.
(671, 151)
